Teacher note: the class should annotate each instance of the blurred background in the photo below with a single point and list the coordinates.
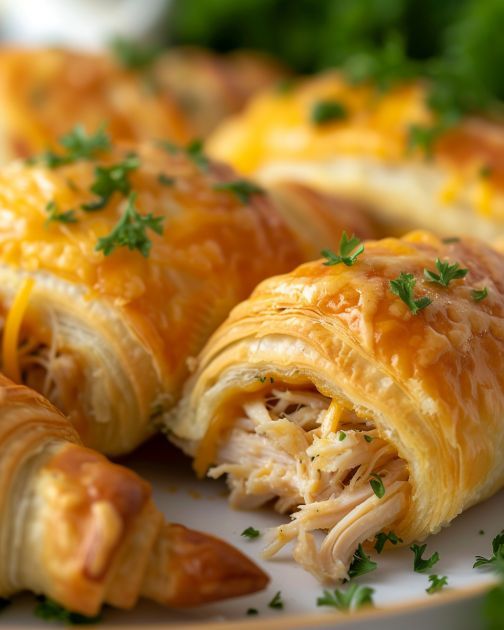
(458, 40)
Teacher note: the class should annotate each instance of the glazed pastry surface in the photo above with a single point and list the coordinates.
(452, 185)
(85, 532)
(325, 380)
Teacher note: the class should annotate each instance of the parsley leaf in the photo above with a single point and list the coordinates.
(382, 538)
(111, 179)
(134, 56)
(165, 180)
(194, 151)
(447, 273)
(361, 564)
(437, 583)
(130, 231)
(353, 598)
(241, 188)
(79, 146)
(369, 438)
(327, 111)
(252, 611)
(341, 436)
(497, 555)
(479, 294)
(403, 288)
(377, 485)
(420, 564)
(277, 602)
(486, 171)
(493, 607)
(345, 255)
(55, 215)
(49, 610)
(251, 533)
(424, 138)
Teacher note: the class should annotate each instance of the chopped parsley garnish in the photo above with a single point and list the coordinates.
(251, 533)
(79, 146)
(361, 563)
(451, 239)
(165, 180)
(479, 294)
(437, 583)
(4, 603)
(424, 138)
(403, 288)
(383, 537)
(68, 216)
(341, 436)
(486, 171)
(131, 231)
(49, 610)
(111, 179)
(134, 56)
(353, 598)
(446, 274)
(241, 188)
(497, 556)
(252, 611)
(327, 111)
(346, 253)
(493, 607)
(422, 564)
(369, 438)
(194, 151)
(377, 485)
(481, 532)
(277, 602)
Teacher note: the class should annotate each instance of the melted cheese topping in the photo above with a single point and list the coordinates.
(10, 340)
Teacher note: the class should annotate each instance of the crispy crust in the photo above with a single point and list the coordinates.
(432, 383)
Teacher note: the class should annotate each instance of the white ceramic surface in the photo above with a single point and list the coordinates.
(400, 593)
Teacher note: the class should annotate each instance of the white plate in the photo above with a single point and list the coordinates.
(400, 594)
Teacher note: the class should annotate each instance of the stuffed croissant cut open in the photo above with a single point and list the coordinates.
(85, 532)
(117, 265)
(355, 405)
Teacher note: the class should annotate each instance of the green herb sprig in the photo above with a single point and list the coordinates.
(276, 602)
(376, 484)
(131, 231)
(54, 214)
(79, 145)
(49, 610)
(251, 533)
(111, 179)
(327, 111)
(134, 56)
(437, 584)
(383, 537)
(240, 188)
(353, 598)
(349, 250)
(194, 151)
(446, 274)
(403, 287)
(479, 294)
(497, 556)
(422, 564)
(361, 564)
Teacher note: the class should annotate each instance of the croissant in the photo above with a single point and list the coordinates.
(45, 92)
(362, 399)
(386, 149)
(106, 333)
(85, 532)
(208, 86)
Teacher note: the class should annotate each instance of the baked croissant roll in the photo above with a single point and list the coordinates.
(115, 268)
(208, 86)
(45, 92)
(85, 532)
(361, 396)
(386, 149)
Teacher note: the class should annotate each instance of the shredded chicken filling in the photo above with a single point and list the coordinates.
(315, 460)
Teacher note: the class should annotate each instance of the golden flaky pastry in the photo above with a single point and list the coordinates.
(378, 147)
(107, 337)
(85, 532)
(325, 392)
(46, 92)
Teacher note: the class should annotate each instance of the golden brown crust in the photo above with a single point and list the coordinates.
(84, 531)
(367, 154)
(431, 382)
(44, 93)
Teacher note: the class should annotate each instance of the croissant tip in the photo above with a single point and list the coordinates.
(209, 569)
